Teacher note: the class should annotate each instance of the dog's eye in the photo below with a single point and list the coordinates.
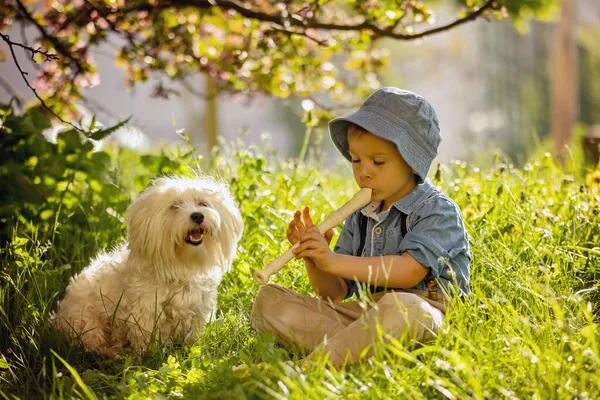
(174, 207)
(203, 204)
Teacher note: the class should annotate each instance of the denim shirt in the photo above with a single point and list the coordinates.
(436, 237)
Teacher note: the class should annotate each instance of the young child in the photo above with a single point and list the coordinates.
(408, 247)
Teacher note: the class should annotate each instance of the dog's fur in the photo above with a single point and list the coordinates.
(162, 283)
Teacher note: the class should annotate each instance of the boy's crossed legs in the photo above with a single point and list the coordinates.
(344, 330)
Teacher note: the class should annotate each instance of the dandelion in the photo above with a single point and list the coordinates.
(593, 179)
(468, 214)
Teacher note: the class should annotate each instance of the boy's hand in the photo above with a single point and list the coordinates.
(298, 226)
(315, 247)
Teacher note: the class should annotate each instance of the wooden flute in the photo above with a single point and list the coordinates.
(360, 199)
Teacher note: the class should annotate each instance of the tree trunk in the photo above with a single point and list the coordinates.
(210, 115)
(563, 93)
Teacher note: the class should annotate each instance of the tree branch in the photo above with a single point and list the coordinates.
(55, 42)
(47, 56)
(285, 21)
(279, 28)
(11, 46)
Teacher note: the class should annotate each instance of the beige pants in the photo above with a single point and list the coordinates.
(346, 331)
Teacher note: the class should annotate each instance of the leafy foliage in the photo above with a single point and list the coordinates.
(312, 48)
(45, 181)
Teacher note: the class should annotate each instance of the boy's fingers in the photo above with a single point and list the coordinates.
(315, 234)
(306, 254)
(302, 246)
(292, 233)
(298, 224)
(306, 242)
(310, 248)
(306, 216)
(311, 238)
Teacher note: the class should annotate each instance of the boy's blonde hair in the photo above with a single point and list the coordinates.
(354, 129)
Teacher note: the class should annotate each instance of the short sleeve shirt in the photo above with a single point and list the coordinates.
(435, 236)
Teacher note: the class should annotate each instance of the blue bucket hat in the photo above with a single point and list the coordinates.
(402, 117)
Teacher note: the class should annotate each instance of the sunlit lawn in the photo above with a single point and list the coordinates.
(531, 329)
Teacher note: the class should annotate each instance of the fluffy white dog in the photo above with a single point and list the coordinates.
(162, 283)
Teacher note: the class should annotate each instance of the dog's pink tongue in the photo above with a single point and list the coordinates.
(195, 235)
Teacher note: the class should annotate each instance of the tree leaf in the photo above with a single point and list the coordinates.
(101, 134)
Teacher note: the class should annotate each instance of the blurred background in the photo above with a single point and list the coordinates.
(491, 83)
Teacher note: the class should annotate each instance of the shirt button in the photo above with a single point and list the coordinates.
(378, 231)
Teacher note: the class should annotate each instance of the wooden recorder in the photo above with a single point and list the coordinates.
(360, 199)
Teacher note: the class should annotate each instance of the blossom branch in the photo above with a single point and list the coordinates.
(287, 19)
(11, 46)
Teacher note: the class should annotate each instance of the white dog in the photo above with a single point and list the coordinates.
(162, 283)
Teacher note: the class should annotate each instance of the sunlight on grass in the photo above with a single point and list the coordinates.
(531, 329)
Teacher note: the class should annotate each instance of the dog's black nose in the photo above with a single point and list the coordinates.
(197, 217)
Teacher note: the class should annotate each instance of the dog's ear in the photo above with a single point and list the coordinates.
(232, 228)
(139, 211)
(145, 227)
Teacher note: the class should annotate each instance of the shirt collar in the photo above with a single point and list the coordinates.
(370, 210)
(406, 204)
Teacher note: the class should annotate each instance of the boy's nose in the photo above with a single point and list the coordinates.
(364, 173)
(364, 180)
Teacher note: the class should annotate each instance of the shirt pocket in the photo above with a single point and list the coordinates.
(393, 232)
(392, 241)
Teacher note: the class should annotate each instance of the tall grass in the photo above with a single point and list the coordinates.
(531, 329)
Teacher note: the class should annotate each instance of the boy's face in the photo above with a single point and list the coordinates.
(377, 164)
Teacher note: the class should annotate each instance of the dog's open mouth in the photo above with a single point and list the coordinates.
(194, 237)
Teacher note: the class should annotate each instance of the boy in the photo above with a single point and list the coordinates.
(407, 241)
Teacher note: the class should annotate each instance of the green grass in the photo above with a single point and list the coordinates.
(531, 329)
